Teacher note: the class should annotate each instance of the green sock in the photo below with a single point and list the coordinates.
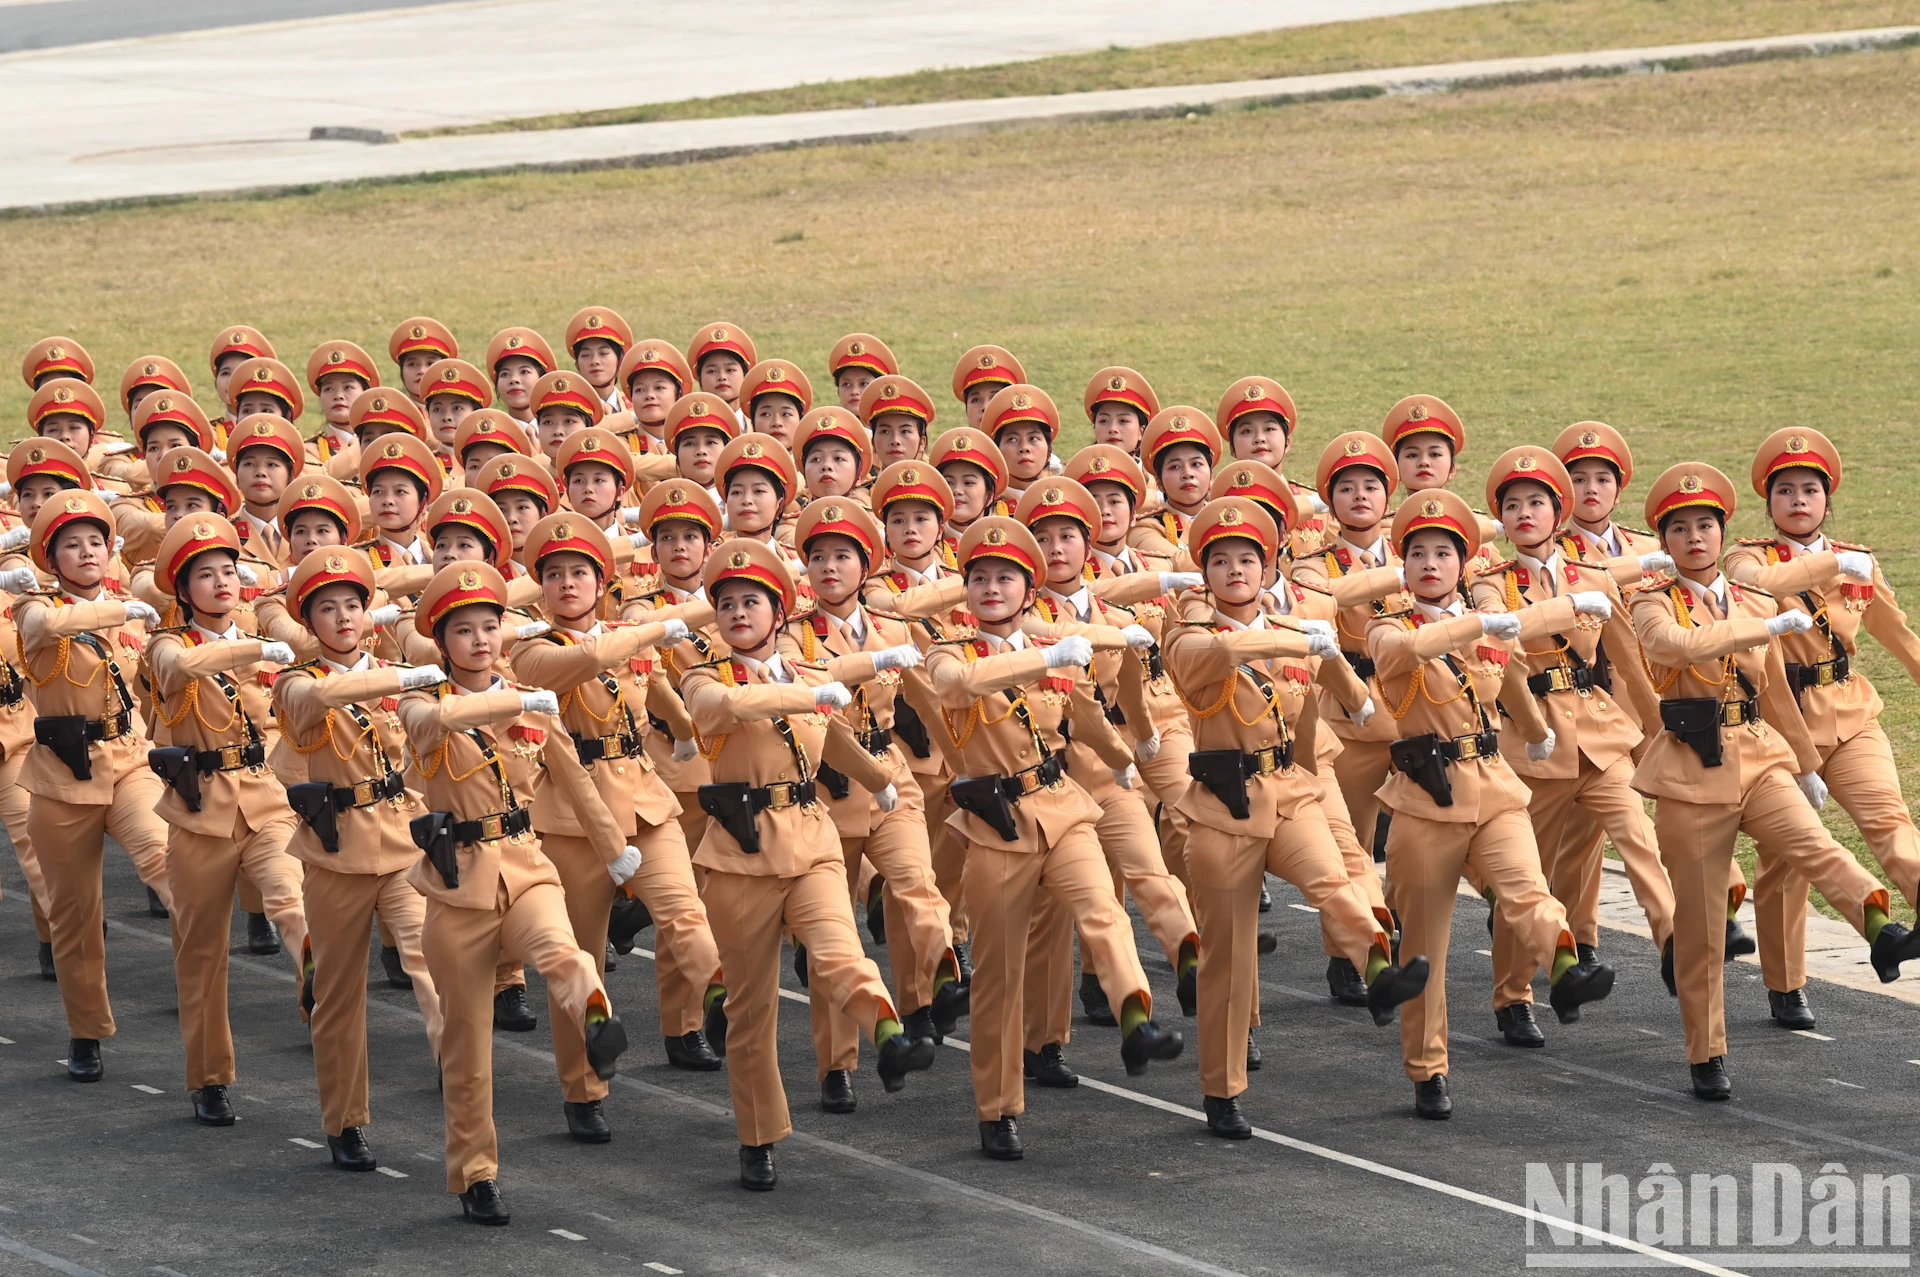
(948, 973)
(596, 1012)
(1564, 960)
(884, 1029)
(1376, 963)
(1876, 919)
(714, 993)
(1189, 956)
(1133, 1014)
(1487, 895)
(1733, 906)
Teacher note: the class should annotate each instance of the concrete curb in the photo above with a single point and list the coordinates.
(101, 184)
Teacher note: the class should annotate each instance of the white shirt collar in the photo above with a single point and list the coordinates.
(1013, 642)
(1456, 608)
(1378, 549)
(364, 663)
(1548, 567)
(1814, 546)
(494, 686)
(230, 633)
(931, 574)
(594, 632)
(773, 667)
(1081, 601)
(1718, 588)
(1277, 596)
(856, 623)
(1608, 541)
(1123, 557)
(415, 548)
(1259, 621)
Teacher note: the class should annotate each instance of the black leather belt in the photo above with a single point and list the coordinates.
(594, 748)
(1361, 662)
(231, 758)
(1037, 777)
(1460, 749)
(1561, 678)
(1261, 762)
(876, 742)
(782, 794)
(110, 728)
(1819, 674)
(1739, 713)
(501, 824)
(365, 793)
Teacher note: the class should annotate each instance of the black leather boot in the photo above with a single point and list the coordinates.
(1225, 1119)
(1894, 945)
(628, 919)
(1517, 1026)
(836, 1092)
(1148, 1042)
(606, 1043)
(800, 964)
(1000, 1140)
(158, 909)
(1344, 984)
(1253, 1055)
(901, 1055)
(952, 1002)
(349, 1150)
(263, 937)
(1588, 955)
(690, 1051)
(756, 1168)
(1093, 999)
(83, 1060)
(1188, 991)
(1578, 986)
(612, 960)
(587, 1123)
(1739, 943)
(1266, 898)
(511, 1012)
(715, 1026)
(964, 962)
(1430, 1099)
(211, 1107)
(1710, 1080)
(1394, 985)
(1790, 1009)
(877, 911)
(482, 1204)
(390, 963)
(1048, 1067)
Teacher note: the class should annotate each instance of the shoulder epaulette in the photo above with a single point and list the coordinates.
(1498, 567)
(1657, 585)
(1589, 565)
(302, 667)
(1639, 532)
(168, 629)
(1754, 541)
(885, 615)
(1750, 589)
(1303, 585)
(1850, 545)
(1401, 615)
(716, 663)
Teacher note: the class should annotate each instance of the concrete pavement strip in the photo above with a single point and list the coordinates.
(262, 168)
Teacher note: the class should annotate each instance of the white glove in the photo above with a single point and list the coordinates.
(417, 676)
(1074, 649)
(630, 515)
(1658, 561)
(1402, 570)
(19, 580)
(119, 448)
(684, 750)
(1319, 506)
(832, 696)
(1789, 623)
(1541, 751)
(1367, 710)
(1499, 528)
(107, 495)
(1593, 603)
(1125, 776)
(624, 866)
(887, 799)
(1171, 581)
(1856, 564)
(1312, 626)
(539, 701)
(1138, 637)
(638, 540)
(1055, 465)
(6, 489)
(119, 544)
(676, 630)
(1147, 750)
(386, 616)
(14, 538)
(246, 574)
(1323, 645)
(220, 455)
(1500, 625)
(905, 656)
(277, 654)
(1814, 788)
(532, 629)
(138, 611)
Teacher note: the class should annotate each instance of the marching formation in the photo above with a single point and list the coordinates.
(510, 661)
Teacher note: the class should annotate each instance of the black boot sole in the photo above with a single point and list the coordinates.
(606, 1043)
(915, 1057)
(1406, 983)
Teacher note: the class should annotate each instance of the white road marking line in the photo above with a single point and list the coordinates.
(42, 1258)
(1302, 908)
(1809, 1033)
(1855, 1086)
(1485, 953)
(150, 1090)
(80, 1238)
(61, 1063)
(605, 1219)
(561, 1232)
(1913, 1061)
(1649, 1032)
(390, 1173)
(170, 1272)
(659, 1267)
(256, 1099)
(426, 1157)
(305, 1143)
(6, 1041)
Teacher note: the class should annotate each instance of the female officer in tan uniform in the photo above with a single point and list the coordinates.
(771, 855)
(226, 813)
(88, 770)
(481, 745)
(1735, 754)
(338, 722)
(1457, 806)
(1261, 812)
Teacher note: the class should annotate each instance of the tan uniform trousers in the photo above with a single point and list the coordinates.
(749, 914)
(1581, 842)
(1358, 859)
(463, 946)
(1573, 876)
(250, 897)
(1425, 861)
(1696, 842)
(68, 840)
(1131, 845)
(919, 937)
(1003, 890)
(1227, 874)
(339, 909)
(664, 883)
(1361, 768)
(1862, 778)
(949, 858)
(204, 872)
(1166, 779)
(14, 805)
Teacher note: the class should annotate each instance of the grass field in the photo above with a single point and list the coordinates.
(1697, 258)
(1517, 29)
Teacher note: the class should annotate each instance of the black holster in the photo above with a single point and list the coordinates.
(66, 736)
(732, 805)
(1696, 721)
(312, 801)
(836, 781)
(433, 835)
(1362, 664)
(1224, 773)
(986, 798)
(179, 769)
(1418, 758)
(908, 727)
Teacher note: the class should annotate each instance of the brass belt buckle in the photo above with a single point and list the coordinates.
(779, 796)
(1823, 674)
(1732, 713)
(1029, 782)
(363, 793)
(492, 828)
(110, 728)
(1469, 747)
(1266, 761)
(613, 747)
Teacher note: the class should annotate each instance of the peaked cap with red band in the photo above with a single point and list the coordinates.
(1792, 449)
(1018, 404)
(567, 390)
(329, 565)
(1689, 484)
(1424, 414)
(756, 452)
(776, 377)
(747, 559)
(381, 406)
(1535, 464)
(830, 421)
(457, 377)
(69, 395)
(912, 481)
(599, 323)
(1122, 386)
(862, 350)
(1258, 481)
(985, 365)
(473, 509)
(1054, 496)
(1586, 439)
(1436, 508)
(192, 468)
(600, 447)
(999, 537)
(699, 411)
(61, 356)
(1180, 423)
(153, 370)
(1355, 448)
(239, 339)
(568, 533)
(82, 506)
(679, 499)
(490, 425)
(331, 357)
(518, 474)
(453, 587)
(267, 376)
(1108, 463)
(894, 393)
(721, 338)
(523, 343)
(1229, 517)
(405, 453)
(655, 354)
(839, 516)
(265, 430)
(421, 333)
(186, 540)
(1254, 394)
(320, 492)
(167, 408)
(39, 456)
(976, 448)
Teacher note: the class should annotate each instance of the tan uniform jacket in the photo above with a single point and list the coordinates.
(69, 651)
(208, 696)
(335, 728)
(818, 637)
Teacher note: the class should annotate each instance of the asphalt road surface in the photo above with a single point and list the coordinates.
(50, 24)
(1120, 1175)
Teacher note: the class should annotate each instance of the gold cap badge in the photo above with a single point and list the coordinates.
(739, 559)
(336, 564)
(1021, 401)
(857, 348)
(462, 506)
(1417, 413)
(311, 491)
(996, 536)
(1523, 463)
(1254, 391)
(1229, 516)
(831, 513)
(1690, 483)
(1588, 439)
(1430, 509)
(469, 580)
